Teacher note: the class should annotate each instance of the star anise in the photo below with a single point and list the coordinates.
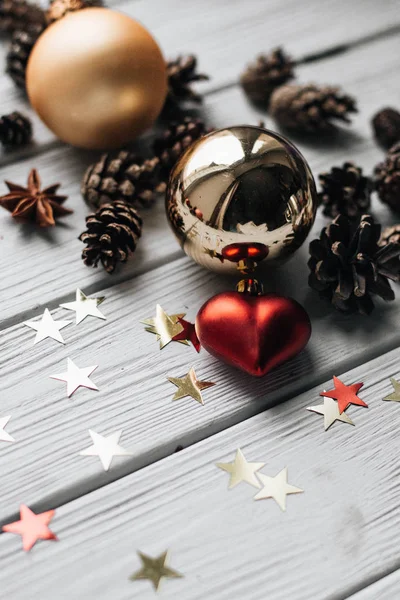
(32, 205)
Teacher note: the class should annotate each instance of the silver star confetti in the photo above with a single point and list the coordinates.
(277, 488)
(105, 447)
(84, 306)
(47, 327)
(76, 377)
(241, 470)
(330, 410)
(4, 436)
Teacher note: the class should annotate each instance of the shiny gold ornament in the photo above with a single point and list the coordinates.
(241, 194)
(189, 385)
(97, 78)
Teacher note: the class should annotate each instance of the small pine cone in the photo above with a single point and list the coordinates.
(111, 236)
(386, 126)
(20, 49)
(348, 266)
(121, 176)
(15, 130)
(269, 71)
(346, 191)
(174, 141)
(390, 235)
(174, 216)
(310, 108)
(59, 8)
(181, 74)
(387, 178)
(19, 14)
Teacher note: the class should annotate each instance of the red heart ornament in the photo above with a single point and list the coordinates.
(254, 333)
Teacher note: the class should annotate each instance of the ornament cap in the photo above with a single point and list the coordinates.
(251, 287)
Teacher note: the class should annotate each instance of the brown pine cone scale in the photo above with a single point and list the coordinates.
(60, 8)
(18, 54)
(182, 73)
(15, 130)
(18, 15)
(346, 191)
(267, 73)
(386, 126)
(387, 178)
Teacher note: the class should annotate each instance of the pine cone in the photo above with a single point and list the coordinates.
(347, 265)
(390, 235)
(310, 108)
(18, 54)
(387, 178)
(121, 176)
(59, 8)
(19, 14)
(345, 191)
(174, 141)
(15, 130)
(111, 236)
(181, 74)
(386, 126)
(269, 71)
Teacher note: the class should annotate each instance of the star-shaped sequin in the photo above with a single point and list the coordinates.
(241, 470)
(4, 436)
(154, 569)
(165, 326)
(345, 394)
(330, 410)
(76, 377)
(277, 488)
(31, 527)
(189, 385)
(47, 327)
(105, 447)
(394, 396)
(188, 333)
(84, 306)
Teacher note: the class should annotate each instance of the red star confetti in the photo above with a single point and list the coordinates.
(345, 394)
(31, 527)
(188, 333)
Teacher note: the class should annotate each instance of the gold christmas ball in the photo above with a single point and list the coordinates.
(241, 196)
(97, 78)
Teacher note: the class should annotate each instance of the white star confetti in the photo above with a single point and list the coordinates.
(330, 411)
(76, 377)
(105, 447)
(47, 327)
(84, 306)
(277, 488)
(4, 436)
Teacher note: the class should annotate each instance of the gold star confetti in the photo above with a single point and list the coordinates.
(165, 326)
(189, 385)
(84, 306)
(76, 377)
(4, 436)
(105, 447)
(241, 470)
(277, 488)
(154, 569)
(330, 410)
(394, 396)
(47, 327)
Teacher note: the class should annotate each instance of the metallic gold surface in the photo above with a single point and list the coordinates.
(394, 396)
(166, 327)
(241, 470)
(154, 569)
(97, 78)
(189, 385)
(241, 193)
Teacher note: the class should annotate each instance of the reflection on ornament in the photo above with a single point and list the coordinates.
(241, 185)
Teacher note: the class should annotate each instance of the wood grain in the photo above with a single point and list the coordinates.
(25, 266)
(341, 531)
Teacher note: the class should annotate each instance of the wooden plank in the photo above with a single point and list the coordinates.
(226, 38)
(340, 532)
(383, 589)
(38, 253)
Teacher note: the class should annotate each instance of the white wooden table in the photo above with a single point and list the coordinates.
(340, 538)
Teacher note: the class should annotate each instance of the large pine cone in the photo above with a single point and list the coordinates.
(268, 72)
(348, 266)
(20, 49)
(17, 15)
(390, 235)
(345, 191)
(181, 74)
(15, 129)
(310, 108)
(387, 178)
(111, 236)
(59, 8)
(386, 126)
(121, 176)
(174, 141)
